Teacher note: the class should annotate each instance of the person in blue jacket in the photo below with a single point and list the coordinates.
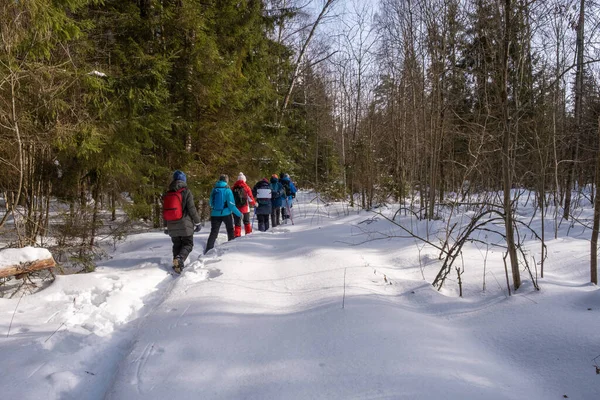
(290, 195)
(222, 205)
(277, 196)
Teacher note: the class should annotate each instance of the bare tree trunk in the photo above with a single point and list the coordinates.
(554, 131)
(303, 49)
(24, 268)
(15, 202)
(96, 197)
(47, 218)
(594, 241)
(506, 151)
(113, 205)
(578, 110)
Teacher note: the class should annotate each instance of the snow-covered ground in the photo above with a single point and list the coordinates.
(315, 310)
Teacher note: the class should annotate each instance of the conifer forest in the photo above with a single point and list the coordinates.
(424, 103)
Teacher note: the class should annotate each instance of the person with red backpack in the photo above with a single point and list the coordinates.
(180, 219)
(242, 195)
(222, 206)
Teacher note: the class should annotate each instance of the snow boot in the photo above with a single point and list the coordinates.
(237, 231)
(177, 265)
(247, 228)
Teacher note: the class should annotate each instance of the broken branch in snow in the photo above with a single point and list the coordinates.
(24, 268)
(596, 365)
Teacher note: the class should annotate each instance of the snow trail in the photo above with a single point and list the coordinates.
(261, 317)
(271, 326)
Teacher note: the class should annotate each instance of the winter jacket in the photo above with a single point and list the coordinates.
(184, 226)
(277, 188)
(229, 202)
(263, 202)
(286, 181)
(245, 208)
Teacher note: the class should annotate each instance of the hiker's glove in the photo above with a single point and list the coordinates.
(197, 228)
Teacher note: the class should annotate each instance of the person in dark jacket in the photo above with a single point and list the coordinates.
(290, 195)
(182, 230)
(222, 205)
(278, 194)
(241, 185)
(262, 194)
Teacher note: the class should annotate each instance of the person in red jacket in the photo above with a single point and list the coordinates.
(242, 194)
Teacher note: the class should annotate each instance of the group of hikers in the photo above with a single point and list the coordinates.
(272, 199)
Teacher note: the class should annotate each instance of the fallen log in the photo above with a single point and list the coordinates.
(26, 267)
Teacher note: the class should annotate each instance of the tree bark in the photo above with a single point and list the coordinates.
(506, 151)
(578, 110)
(594, 241)
(23, 268)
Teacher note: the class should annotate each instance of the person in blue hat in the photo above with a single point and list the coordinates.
(290, 195)
(278, 194)
(180, 218)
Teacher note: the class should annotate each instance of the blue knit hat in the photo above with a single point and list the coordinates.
(179, 176)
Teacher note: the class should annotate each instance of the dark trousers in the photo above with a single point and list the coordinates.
(215, 226)
(275, 216)
(238, 221)
(263, 222)
(182, 246)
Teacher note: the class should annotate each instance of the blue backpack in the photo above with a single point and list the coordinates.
(218, 199)
(275, 193)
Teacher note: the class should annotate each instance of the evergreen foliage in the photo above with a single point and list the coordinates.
(102, 100)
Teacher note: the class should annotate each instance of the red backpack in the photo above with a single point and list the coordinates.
(173, 205)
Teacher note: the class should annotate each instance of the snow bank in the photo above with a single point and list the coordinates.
(10, 257)
(338, 306)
